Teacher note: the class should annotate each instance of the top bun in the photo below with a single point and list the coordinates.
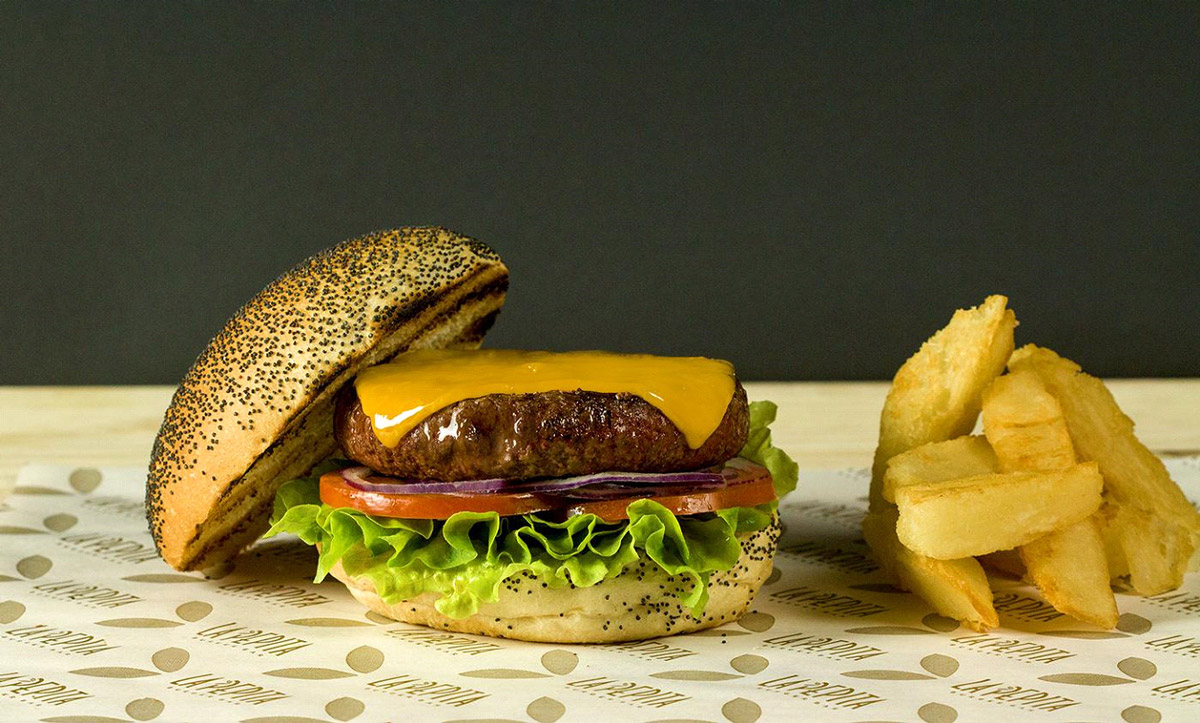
(256, 407)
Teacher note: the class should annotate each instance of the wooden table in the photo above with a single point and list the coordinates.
(822, 424)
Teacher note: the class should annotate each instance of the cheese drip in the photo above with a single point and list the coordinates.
(692, 392)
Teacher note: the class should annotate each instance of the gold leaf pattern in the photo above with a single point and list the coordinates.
(164, 577)
(60, 522)
(144, 708)
(1085, 679)
(34, 566)
(33, 490)
(724, 666)
(545, 710)
(940, 623)
(328, 622)
(115, 671)
(887, 675)
(560, 662)
(888, 630)
(1140, 714)
(1133, 624)
(757, 622)
(774, 576)
(1139, 668)
(503, 673)
(83, 719)
(749, 664)
(710, 675)
(169, 660)
(344, 708)
(942, 666)
(194, 610)
(309, 673)
(85, 479)
(937, 713)
(364, 659)
(741, 710)
(10, 610)
(140, 623)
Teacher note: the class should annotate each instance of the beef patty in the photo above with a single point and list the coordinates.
(550, 434)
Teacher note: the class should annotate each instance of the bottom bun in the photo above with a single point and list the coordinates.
(642, 602)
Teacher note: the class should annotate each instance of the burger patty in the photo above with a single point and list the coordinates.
(549, 434)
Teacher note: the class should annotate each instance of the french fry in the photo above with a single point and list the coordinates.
(938, 462)
(1028, 432)
(1118, 566)
(1024, 425)
(1156, 553)
(936, 394)
(1156, 526)
(1058, 490)
(1070, 568)
(982, 514)
(955, 588)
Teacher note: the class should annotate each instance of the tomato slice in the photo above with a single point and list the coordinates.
(746, 494)
(336, 493)
(747, 484)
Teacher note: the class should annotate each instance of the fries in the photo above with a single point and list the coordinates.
(938, 462)
(1070, 568)
(1027, 430)
(955, 588)
(1057, 489)
(1157, 527)
(936, 395)
(982, 514)
(1024, 425)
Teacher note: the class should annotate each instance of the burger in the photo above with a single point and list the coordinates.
(558, 497)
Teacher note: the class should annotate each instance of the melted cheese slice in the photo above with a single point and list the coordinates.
(692, 392)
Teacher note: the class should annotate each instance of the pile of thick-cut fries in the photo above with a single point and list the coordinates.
(1057, 488)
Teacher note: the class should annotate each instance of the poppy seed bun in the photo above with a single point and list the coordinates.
(639, 603)
(256, 407)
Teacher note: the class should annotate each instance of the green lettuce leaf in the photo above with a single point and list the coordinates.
(758, 449)
(466, 558)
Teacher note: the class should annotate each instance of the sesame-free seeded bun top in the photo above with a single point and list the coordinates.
(256, 407)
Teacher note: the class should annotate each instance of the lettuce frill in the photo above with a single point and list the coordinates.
(466, 558)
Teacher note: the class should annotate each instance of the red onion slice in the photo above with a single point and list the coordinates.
(612, 491)
(362, 478)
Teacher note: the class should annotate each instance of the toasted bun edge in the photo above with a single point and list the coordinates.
(282, 357)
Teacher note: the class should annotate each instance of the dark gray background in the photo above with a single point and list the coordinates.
(808, 191)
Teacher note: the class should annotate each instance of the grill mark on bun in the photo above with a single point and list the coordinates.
(294, 343)
(227, 532)
(214, 541)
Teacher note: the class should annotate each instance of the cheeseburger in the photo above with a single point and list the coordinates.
(559, 497)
